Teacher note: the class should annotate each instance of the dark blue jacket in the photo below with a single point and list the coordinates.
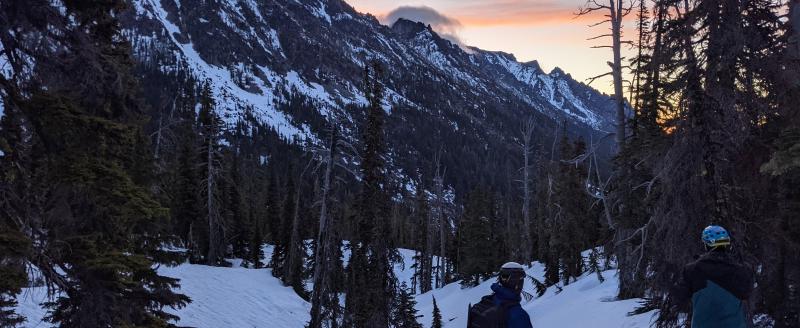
(717, 287)
(516, 317)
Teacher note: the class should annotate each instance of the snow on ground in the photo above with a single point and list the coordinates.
(239, 297)
(232, 297)
(584, 303)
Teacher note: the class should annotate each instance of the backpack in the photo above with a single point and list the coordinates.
(487, 314)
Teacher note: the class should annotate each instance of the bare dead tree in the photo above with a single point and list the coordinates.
(430, 236)
(440, 219)
(323, 252)
(526, 146)
(214, 218)
(616, 12)
(294, 253)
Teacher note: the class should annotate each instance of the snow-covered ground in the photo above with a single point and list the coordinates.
(584, 303)
(238, 297)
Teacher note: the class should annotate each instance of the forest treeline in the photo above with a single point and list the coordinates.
(102, 179)
(713, 140)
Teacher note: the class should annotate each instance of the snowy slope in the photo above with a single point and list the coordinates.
(243, 298)
(585, 303)
(232, 297)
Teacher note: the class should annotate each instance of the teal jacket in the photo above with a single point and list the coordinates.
(718, 288)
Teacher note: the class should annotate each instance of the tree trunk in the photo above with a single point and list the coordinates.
(211, 211)
(616, 69)
(293, 252)
(527, 135)
(322, 255)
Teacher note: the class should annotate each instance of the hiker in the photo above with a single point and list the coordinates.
(716, 284)
(501, 309)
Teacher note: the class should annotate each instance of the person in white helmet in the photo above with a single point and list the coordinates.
(501, 309)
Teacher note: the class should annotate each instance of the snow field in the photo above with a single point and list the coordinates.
(240, 297)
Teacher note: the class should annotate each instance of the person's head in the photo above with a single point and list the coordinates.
(512, 276)
(716, 238)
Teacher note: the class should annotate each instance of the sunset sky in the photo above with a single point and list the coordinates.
(544, 30)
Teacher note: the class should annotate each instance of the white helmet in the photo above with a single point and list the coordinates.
(512, 265)
(512, 276)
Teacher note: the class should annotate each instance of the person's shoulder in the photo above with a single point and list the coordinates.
(518, 317)
(692, 266)
(518, 311)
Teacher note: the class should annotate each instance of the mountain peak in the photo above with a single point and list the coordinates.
(534, 64)
(557, 72)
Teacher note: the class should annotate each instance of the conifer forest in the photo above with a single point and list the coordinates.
(373, 171)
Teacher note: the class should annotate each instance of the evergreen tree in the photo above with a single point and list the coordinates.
(577, 227)
(256, 252)
(437, 316)
(425, 258)
(294, 271)
(14, 245)
(284, 233)
(91, 159)
(236, 205)
(272, 215)
(404, 312)
(476, 242)
(370, 273)
(209, 123)
(13, 276)
(185, 202)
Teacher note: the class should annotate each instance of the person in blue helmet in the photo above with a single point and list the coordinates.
(716, 284)
(501, 309)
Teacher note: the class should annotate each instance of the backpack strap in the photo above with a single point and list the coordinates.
(504, 312)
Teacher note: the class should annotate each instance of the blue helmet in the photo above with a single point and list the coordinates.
(714, 236)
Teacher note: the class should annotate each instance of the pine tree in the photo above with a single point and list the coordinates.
(238, 219)
(548, 218)
(14, 245)
(424, 219)
(91, 158)
(256, 252)
(211, 179)
(437, 316)
(370, 274)
(577, 227)
(404, 312)
(476, 243)
(278, 263)
(294, 272)
(272, 215)
(186, 207)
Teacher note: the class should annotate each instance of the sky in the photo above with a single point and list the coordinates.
(547, 31)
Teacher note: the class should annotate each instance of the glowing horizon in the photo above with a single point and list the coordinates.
(547, 31)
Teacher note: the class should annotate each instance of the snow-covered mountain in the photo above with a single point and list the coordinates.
(239, 297)
(260, 55)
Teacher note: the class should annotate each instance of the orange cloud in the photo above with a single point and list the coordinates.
(485, 13)
(523, 16)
